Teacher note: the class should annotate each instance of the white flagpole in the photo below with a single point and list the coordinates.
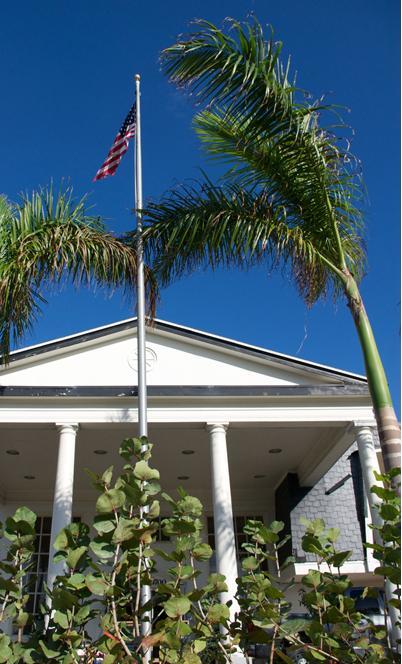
(142, 382)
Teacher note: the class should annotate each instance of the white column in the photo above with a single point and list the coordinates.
(369, 463)
(225, 545)
(63, 492)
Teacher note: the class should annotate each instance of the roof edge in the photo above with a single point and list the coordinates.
(130, 391)
(189, 332)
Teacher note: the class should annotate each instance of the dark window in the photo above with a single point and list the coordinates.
(40, 562)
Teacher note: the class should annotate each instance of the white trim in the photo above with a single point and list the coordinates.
(71, 336)
(172, 413)
(212, 337)
(350, 567)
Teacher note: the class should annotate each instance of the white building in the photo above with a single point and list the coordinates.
(245, 429)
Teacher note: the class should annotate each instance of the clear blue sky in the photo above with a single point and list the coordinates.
(67, 82)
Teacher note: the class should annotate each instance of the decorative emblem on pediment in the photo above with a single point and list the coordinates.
(150, 359)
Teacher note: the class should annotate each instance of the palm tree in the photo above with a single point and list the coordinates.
(292, 194)
(47, 238)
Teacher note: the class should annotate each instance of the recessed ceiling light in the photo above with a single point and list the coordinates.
(100, 451)
(275, 450)
(187, 451)
(12, 452)
(183, 477)
(259, 477)
(29, 477)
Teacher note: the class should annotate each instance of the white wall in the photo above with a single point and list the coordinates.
(169, 361)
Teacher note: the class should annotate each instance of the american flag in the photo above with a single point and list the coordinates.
(119, 147)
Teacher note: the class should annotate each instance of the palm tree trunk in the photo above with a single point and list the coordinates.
(388, 427)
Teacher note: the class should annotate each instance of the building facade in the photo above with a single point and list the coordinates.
(251, 432)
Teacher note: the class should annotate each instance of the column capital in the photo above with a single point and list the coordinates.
(212, 427)
(72, 427)
(362, 424)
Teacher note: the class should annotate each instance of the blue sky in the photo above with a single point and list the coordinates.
(67, 79)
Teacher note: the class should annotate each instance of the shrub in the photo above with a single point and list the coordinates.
(106, 572)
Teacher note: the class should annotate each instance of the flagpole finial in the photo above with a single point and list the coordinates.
(137, 77)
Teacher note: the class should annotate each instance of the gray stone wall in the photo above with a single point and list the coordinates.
(338, 508)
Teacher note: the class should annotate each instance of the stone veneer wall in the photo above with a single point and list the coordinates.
(342, 508)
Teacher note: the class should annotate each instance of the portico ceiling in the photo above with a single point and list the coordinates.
(248, 449)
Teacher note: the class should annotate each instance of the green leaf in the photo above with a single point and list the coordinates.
(96, 585)
(338, 559)
(76, 581)
(177, 606)
(63, 598)
(151, 488)
(103, 524)
(312, 578)
(125, 530)
(199, 645)
(218, 613)
(317, 655)
(276, 526)
(389, 512)
(333, 534)
(217, 582)
(82, 615)
(183, 629)
(154, 510)
(61, 541)
(75, 556)
(311, 544)
(385, 494)
(295, 625)
(110, 500)
(110, 659)
(143, 472)
(391, 573)
(191, 658)
(190, 506)
(25, 514)
(128, 448)
(61, 619)
(22, 618)
(202, 552)
(50, 654)
(5, 650)
(107, 475)
(249, 563)
(102, 549)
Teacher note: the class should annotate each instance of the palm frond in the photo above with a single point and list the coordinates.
(240, 69)
(271, 136)
(310, 175)
(48, 238)
(204, 225)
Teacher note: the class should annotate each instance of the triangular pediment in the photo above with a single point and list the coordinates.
(176, 356)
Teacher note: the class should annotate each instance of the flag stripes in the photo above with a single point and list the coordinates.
(119, 147)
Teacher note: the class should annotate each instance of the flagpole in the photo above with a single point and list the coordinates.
(142, 383)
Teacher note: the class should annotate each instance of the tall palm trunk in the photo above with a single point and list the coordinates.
(388, 427)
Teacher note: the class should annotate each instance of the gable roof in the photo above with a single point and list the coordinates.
(198, 337)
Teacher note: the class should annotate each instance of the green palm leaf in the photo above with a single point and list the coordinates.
(307, 174)
(209, 226)
(241, 69)
(46, 239)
